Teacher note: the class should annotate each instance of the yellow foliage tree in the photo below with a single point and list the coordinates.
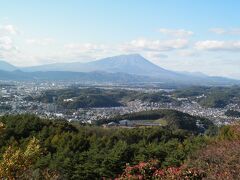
(16, 163)
(2, 127)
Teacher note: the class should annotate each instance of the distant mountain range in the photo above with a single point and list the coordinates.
(97, 77)
(123, 68)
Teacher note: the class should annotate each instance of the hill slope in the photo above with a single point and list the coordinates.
(6, 66)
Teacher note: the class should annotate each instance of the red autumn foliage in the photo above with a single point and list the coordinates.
(221, 158)
(152, 170)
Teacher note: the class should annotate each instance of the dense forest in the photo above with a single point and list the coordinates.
(74, 98)
(56, 149)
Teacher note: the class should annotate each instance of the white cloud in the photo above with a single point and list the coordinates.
(71, 52)
(160, 56)
(8, 47)
(8, 30)
(221, 31)
(176, 32)
(6, 43)
(154, 45)
(217, 30)
(214, 45)
(79, 50)
(187, 53)
(41, 41)
(86, 47)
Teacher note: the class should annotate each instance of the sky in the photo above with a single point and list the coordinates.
(181, 35)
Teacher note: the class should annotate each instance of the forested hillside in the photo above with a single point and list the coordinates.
(36, 148)
(74, 98)
(173, 119)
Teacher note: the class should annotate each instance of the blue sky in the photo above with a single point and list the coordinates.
(182, 35)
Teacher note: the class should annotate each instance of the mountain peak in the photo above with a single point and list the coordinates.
(127, 63)
(128, 59)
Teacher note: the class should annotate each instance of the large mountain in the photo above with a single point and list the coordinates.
(130, 64)
(6, 66)
(123, 68)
